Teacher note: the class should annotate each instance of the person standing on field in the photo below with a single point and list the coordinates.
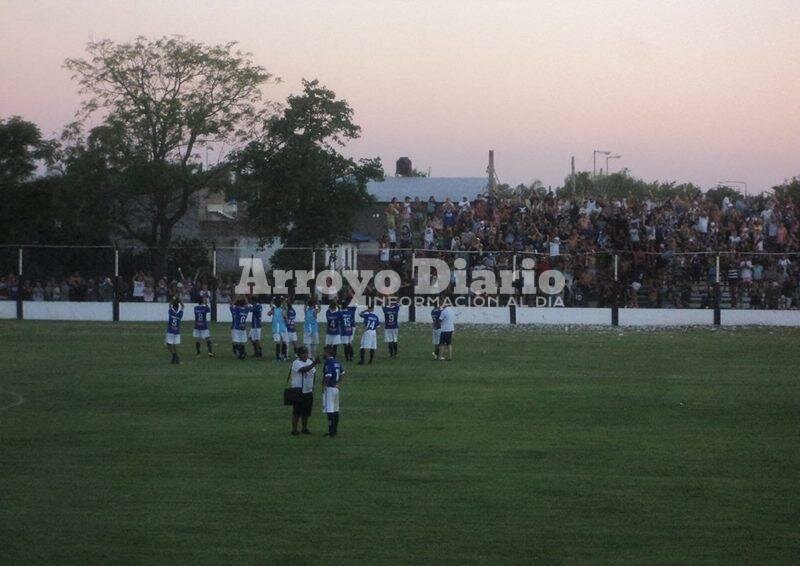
(447, 327)
(332, 380)
(173, 337)
(302, 377)
(201, 331)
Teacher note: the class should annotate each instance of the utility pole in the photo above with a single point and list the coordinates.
(574, 181)
(492, 175)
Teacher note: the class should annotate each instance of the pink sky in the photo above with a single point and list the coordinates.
(692, 90)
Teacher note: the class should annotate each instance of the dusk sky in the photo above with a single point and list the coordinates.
(696, 90)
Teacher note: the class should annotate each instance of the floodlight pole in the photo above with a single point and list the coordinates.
(115, 305)
(717, 312)
(615, 306)
(20, 313)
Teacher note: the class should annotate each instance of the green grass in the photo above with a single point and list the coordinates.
(533, 446)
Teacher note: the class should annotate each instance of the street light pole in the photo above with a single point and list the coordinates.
(594, 160)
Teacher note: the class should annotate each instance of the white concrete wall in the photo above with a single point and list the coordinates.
(544, 316)
(665, 317)
(8, 309)
(151, 312)
(57, 310)
(759, 318)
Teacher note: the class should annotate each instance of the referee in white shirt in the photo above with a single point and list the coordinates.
(302, 376)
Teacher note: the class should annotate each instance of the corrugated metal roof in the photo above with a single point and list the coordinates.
(424, 187)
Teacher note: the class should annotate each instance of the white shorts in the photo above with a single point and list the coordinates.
(311, 338)
(292, 336)
(369, 340)
(279, 337)
(204, 334)
(390, 335)
(436, 334)
(172, 338)
(238, 336)
(255, 334)
(345, 339)
(330, 400)
(332, 339)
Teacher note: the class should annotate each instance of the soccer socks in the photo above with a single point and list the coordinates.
(197, 347)
(436, 350)
(392, 349)
(284, 350)
(361, 356)
(371, 355)
(208, 345)
(348, 352)
(336, 423)
(278, 352)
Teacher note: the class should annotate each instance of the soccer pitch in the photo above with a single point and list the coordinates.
(546, 446)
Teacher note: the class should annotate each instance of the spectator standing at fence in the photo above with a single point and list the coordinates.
(201, 330)
(173, 335)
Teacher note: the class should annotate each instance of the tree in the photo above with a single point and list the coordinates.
(163, 102)
(21, 145)
(789, 190)
(296, 185)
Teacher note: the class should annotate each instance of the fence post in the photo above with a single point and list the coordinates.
(115, 306)
(214, 283)
(512, 304)
(312, 281)
(615, 306)
(412, 308)
(20, 314)
(717, 297)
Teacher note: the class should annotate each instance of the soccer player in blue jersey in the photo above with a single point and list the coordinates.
(173, 337)
(391, 315)
(280, 335)
(291, 324)
(256, 312)
(333, 375)
(239, 312)
(310, 326)
(436, 312)
(333, 318)
(347, 327)
(369, 340)
(201, 331)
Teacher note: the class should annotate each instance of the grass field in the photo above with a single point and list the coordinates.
(546, 446)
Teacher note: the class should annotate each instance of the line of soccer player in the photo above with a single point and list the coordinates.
(340, 328)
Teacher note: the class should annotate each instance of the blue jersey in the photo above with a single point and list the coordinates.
(348, 321)
(239, 317)
(256, 310)
(390, 315)
(435, 312)
(333, 321)
(291, 319)
(278, 321)
(333, 371)
(201, 317)
(174, 321)
(310, 320)
(371, 320)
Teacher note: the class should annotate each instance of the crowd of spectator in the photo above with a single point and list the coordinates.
(667, 248)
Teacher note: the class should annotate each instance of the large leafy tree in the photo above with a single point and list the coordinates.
(163, 102)
(295, 182)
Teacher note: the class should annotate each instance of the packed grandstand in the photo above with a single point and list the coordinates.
(647, 252)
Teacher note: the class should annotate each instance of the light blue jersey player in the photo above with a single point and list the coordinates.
(201, 331)
(391, 317)
(369, 339)
(173, 334)
(310, 326)
(280, 333)
(239, 313)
